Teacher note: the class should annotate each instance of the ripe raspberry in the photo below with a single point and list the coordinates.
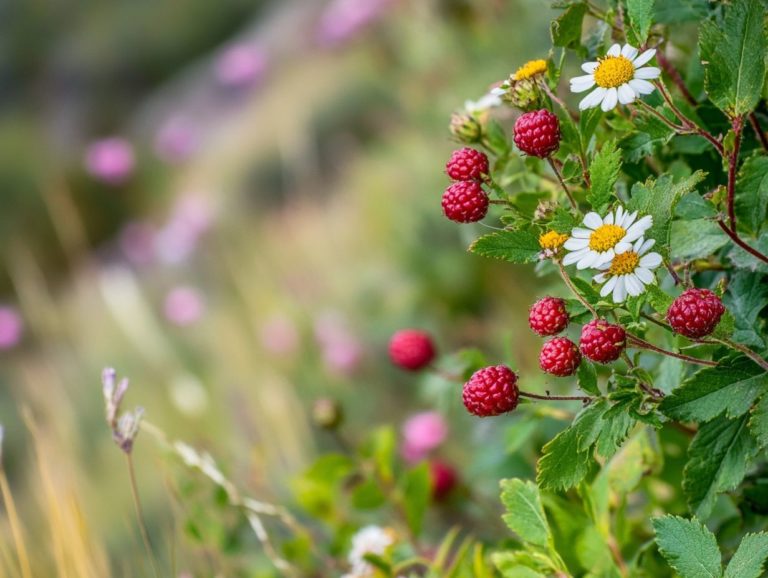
(548, 316)
(467, 164)
(491, 391)
(560, 357)
(444, 478)
(601, 341)
(411, 349)
(537, 133)
(465, 202)
(695, 313)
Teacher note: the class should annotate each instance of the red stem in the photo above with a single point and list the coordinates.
(736, 239)
(733, 161)
(753, 120)
(556, 397)
(645, 345)
(674, 75)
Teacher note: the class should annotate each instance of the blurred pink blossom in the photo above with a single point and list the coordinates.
(137, 242)
(177, 140)
(11, 327)
(191, 218)
(184, 306)
(279, 336)
(241, 65)
(341, 349)
(343, 19)
(423, 433)
(110, 160)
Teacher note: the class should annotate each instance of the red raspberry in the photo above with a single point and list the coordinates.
(537, 133)
(411, 349)
(695, 313)
(465, 202)
(467, 164)
(601, 341)
(491, 391)
(444, 479)
(548, 316)
(560, 356)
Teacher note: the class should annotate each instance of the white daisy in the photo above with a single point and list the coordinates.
(629, 272)
(604, 238)
(368, 540)
(620, 77)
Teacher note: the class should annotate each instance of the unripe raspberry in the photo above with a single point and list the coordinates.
(327, 413)
(467, 164)
(695, 313)
(411, 349)
(444, 479)
(559, 356)
(537, 133)
(491, 391)
(523, 94)
(465, 127)
(465, 202)
(601, 341)
(548, 316)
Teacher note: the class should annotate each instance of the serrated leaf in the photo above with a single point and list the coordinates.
(524, 512)
(637, 458)
(746, 297)
(658, 299)
(718, 458)
(688, 546)
(562, 221)
(523, 564)
(696, 239)
(733, 55)
(512, 246)
(615, 429)
(587, 378)
(731, 388)
(758, 423)
(748, 560)
(603, 174)
(752, 192)
(678, 11)
(566, 29)
(640, 14)
(658, 198)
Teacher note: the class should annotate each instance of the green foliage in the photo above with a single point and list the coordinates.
(566, 30)
(750, 557)
(689, 547)
(752, 192)
(512, 246)
(640, 14)
(416, 490)
(525, 514)
(733, 54)
(603, 173)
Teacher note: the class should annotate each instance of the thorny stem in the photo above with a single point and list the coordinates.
(753, 120)
(736, 239)
(562, 183)
(745, 350)
(140, 514)
(646, 345)
(568, 282)
(733, 161)
(584, 398)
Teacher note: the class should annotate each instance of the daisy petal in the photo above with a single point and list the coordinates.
(608, 287)
(573, 257)
(593, 99)
(614, 50)
(637, 246)
(650, 261)
(626, 94)
(579, 233)
(644, 57)
(634, 287)
(619, 215)
(590, 67)
(629, 219)
(644, 275)
(610, 100)
(582, 83)
(641, 86)
(622, 246)
(629, 52)
(604, 258)
(608, 219)
(576, 244)
(619, 291)
(593, 220)
(599, 278)
(638, 229)
(648, 73)
(587, 261)
(646, 246)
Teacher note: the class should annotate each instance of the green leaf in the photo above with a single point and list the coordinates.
(587, 377)
(497, 139)
(603, 174)
(696, 239)
(523, 564)
(567, 457)
(718, 456)
(566, 30)
(512, 246)
(746, 297)
(525, 514)
(731, 388)
(616, 427)
(562, 221)
(748, 560)
(688, 546)
(640, 18)
(752, 192)
(758, 423)
(588, 123)
(678, 11)
(733, 55)
(658, 299)
(416, 491)
(658, 199)
(638, 458)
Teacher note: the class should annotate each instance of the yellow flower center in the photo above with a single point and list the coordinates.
(624, 264)
(605, 237)
(552, 240)
(613, 71)
(531, 68)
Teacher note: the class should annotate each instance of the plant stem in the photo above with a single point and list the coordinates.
(673, 73)
(688, 123)
(661, 117)
(753, 120)
(568, 282)
(556, 99)
(745, 350)
(556, 397)
(562, 183)
(733, 161)
(634, 340)
(140, 515)
(736, 239)
(15, 524)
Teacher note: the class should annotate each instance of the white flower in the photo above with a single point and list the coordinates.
(368, 540)
(490, 100)
(619, 75)
(604, 238)
(629, 272)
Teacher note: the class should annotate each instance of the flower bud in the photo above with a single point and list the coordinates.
(327, 413)
(465, 127)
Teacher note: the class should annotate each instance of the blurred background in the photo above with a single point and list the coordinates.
(235, 204)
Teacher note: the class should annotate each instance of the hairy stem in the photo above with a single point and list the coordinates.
(733, 161)
(736, 239)
(578, 296)
(557, 172)
(753, 120)
(692, 127)
(642, 343)
(556, 397)
(745, 350)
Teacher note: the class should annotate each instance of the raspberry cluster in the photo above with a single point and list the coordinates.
(465, 201)
(491, 391)
(537, 133)
(601, 341)
(559, 356)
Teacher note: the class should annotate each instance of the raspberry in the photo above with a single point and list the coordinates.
(560, 356)
(467, 164)
(601, 341)
(444, 479)
(548, 316)
(537, 133)
(411, 349)
(465, 202)
(695, 313)
(491, 391)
